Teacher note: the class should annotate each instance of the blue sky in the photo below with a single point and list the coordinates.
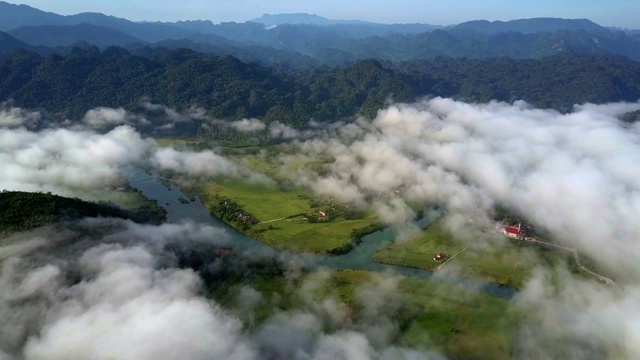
(623, 13)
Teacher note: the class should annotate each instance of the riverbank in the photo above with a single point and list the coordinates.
(360, 258)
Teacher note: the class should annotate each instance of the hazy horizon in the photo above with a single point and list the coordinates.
(617, 13)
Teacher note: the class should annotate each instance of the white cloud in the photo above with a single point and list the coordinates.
(119, 296)
(194, 163)
(102, 116)
(130, 310)
(248, 125)
(62, 160)
(576, 174)
(14, 117)
(279, 130)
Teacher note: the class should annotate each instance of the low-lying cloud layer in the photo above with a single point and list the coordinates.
(122, 304)
(120, 295)
(62, 160)
(576, 174)
(15, 117)
(67, 161)
(248, 125)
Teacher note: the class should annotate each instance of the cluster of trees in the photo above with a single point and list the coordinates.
(68, 86)
(231, 213)
(217, 265)
(23, 210)
(150, 213)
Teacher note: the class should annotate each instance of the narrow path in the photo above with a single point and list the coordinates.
(451, 258)
(268, 221)
(576, 257)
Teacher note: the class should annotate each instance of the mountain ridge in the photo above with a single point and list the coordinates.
(530, 25)
(67, 35)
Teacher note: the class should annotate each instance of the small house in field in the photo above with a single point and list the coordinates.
(514, 232)
(440, 257)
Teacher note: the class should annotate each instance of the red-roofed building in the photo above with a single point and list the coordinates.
(513, 232)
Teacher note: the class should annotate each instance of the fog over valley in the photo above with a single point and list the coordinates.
(302, 187)
(463, 156)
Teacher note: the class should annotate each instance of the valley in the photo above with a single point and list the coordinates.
(258, 181)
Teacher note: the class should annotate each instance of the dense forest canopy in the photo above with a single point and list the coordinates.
(68, 86)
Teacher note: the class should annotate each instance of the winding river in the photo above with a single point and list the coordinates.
(359, 258)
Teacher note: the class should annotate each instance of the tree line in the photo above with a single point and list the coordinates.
(20, 211)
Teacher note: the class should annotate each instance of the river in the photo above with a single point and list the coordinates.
(360, 258)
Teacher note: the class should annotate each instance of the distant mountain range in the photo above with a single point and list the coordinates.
(309, 40)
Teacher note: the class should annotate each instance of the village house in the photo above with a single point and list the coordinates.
(513, 232)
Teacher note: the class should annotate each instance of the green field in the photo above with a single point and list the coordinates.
(504, 262)
(419, 251)
(458, 322)
(279, 163)
(262, 201)
(272, 205)
(301, 236)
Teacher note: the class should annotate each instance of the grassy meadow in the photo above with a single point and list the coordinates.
(504, 262)
(272, 206)
(458, 322)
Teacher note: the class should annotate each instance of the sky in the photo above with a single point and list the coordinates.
(619, 13)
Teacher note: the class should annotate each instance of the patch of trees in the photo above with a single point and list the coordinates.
(217, 264)
(20, 211)
(151, 213)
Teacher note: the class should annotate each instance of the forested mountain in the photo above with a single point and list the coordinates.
(556, 82)
(67, 35)
(264, 55)
(230, 89)
(477, 45)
